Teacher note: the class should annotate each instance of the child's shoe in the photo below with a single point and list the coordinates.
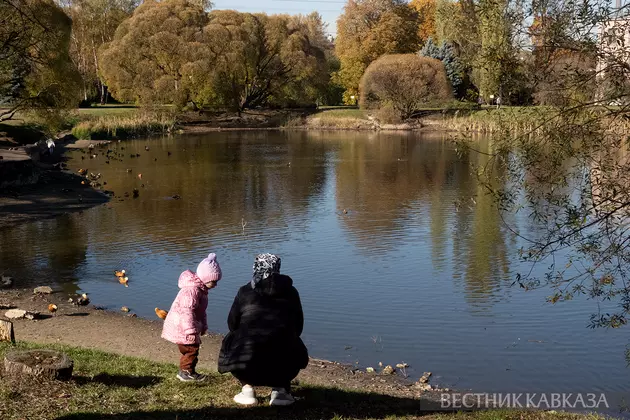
(247, 396)
(186, 376)
(279, 396)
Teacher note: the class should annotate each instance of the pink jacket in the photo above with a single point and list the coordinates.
(187, 319)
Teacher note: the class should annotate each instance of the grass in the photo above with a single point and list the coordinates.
(107, 386)
(123, 125)
(344, 118)
(108, 110)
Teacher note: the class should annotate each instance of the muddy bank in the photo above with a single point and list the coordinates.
(295, 119)
(125, 334)
(54, 194)
(17, 169)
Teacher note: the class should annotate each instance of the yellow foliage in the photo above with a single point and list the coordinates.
(426, 18)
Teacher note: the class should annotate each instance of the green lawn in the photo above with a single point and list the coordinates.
(108, 110)
(115, 387)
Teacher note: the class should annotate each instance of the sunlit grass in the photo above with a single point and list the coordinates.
(110, 386)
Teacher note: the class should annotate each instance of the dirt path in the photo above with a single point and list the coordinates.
(89, 327)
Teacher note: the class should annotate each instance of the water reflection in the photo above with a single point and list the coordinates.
(421, 257)
(45, 252)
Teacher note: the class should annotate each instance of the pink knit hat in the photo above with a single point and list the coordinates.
(209, 270)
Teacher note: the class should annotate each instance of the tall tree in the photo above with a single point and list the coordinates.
(150, 52)
(35, 68)
(446, 54)
(368, 29)
(263, 59)
(426, 18)
(94, 23)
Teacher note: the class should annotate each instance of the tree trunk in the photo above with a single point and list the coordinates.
(43, 363)
(103, 93)
(6, 331)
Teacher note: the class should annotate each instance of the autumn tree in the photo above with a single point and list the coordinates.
(262, 60)
(94, 23)
(368, 29)
(35, 67)
(406, 82)
(426, 10)
(150, 52)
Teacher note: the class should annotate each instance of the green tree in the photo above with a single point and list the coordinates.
(152, 54)
(446, 54)
(94, 23)
(368, 29)
(35, 68)
(266, 60)
(571, 172)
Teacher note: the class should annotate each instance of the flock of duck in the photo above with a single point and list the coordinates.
(123, 279)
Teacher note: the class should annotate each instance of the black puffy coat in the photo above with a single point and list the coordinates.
(265, 326)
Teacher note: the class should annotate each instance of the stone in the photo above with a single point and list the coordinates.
(31, 315)
(38, 362)
(369, 370)
(425, 378)
(424, 386)
(15, 313)
(43, 289)
(388, 370)
(124, 309)
(6, 282)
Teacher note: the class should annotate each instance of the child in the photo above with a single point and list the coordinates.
(186, 322)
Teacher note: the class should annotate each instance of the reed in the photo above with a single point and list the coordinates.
(121, 127)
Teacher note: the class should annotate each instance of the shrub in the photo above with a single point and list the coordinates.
(387, 115)
(406, 82)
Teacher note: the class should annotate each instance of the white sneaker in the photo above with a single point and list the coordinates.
(246, 397)
(279, 396)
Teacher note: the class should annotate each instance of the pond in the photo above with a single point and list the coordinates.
(398, 254)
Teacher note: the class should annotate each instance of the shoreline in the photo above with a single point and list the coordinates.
(37, 187)
(129, 335)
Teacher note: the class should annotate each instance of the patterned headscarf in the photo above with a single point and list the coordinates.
(264, 266)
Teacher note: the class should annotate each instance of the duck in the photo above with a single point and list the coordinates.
(120, 273)
(139, 176)
(52, 308)
(161, 313)
(124, 280)
(83, 300)
(82, 171)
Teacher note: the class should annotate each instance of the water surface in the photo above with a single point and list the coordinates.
(418, 268)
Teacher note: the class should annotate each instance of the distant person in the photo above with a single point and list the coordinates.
(263, 347)
(187, 321)
(498, 102)
(50, 144)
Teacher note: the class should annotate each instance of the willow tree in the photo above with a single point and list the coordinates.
(368, 29)
(146, 60)
(264, 59)
(35, 68)
(570, 173)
